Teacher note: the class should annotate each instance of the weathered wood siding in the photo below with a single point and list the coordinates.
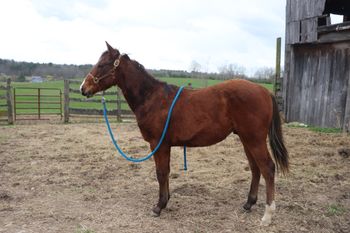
(303, 9)
(302, 20)
(317, 84)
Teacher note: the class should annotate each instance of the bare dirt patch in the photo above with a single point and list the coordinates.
(66, 178)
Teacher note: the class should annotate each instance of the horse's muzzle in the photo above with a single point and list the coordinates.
(88, 94)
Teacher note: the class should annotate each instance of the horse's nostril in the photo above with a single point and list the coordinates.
(88, 94)
(83, 92)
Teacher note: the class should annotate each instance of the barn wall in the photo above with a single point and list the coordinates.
(297, 10)
(317, 84)
(302, 19)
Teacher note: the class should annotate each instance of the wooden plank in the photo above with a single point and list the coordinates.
(334, 28)
(304, 9)
(293, 33)
(332, 37)
(96, 101)
(76, 81)
(2, 97)
(3, 88)
(66, 101)
(318, 85)
(346, 117)
(308, 30)
(288, 11)
(80, 111)
(71, 90)
(346, 123)
(90, 100)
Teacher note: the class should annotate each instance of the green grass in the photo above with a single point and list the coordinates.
(313, 128)
(268, 86)
(325, 130)
(83, 229)
(199, 83)
(335, 209)
(196, 83)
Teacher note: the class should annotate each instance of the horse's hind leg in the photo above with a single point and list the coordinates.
(254, 186)
(260, 154)
(162, 160)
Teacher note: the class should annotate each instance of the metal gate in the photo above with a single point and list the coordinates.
(36, 102)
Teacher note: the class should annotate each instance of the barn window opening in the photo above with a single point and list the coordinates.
(337, 11)
(336, 19)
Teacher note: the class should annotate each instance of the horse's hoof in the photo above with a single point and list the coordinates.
(265, 222)
(156, 211)
(269, 210)
(247, 206)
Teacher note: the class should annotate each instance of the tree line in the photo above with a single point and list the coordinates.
(49, 71)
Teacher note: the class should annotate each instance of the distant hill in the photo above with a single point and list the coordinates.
(46, 70)
(49, 71)
(52, 71)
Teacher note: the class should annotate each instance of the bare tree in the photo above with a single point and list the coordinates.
(195, 66)
(231, 70)
(264, 73)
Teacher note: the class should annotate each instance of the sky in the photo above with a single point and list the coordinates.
(160, 34)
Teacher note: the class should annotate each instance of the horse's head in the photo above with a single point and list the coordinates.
(103, 74)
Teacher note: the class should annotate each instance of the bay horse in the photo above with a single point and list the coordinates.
(200, 118)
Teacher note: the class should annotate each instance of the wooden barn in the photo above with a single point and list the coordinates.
(316, 83)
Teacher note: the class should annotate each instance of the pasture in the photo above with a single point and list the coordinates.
(196, 83)
(69, 178)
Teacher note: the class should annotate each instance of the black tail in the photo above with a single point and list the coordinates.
(279, 151)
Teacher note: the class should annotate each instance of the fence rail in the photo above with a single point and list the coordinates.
(73, 105)
(94, 100)
(72, 90)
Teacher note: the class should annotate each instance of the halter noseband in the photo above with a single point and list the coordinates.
(115, 65)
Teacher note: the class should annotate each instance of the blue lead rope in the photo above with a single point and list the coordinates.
(137, 160)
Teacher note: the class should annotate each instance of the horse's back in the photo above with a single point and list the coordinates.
(250, 106)
(209, 115)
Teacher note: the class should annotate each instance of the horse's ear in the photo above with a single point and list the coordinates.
(111, 50)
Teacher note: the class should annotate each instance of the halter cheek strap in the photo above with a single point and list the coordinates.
(115, 65)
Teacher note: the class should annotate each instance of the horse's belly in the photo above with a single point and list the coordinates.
(206, 137)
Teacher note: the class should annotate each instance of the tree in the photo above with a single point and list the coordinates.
(21, 78)
(231, 70)
(265, 73)
(195, 66)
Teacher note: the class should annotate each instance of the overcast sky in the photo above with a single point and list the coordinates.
(160, 34)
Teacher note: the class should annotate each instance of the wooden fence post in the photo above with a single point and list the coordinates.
(9, 102)
(119, 106)
(66, 101)
(276, 83)
(346, 123)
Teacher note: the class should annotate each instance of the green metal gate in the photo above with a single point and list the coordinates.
(36, 102)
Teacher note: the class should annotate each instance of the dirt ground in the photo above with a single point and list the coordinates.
(69, 178)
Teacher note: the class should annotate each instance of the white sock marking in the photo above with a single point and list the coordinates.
(269, 210)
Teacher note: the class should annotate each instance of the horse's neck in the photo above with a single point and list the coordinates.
(137, 86)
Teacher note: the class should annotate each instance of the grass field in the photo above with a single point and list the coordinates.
(27, 108)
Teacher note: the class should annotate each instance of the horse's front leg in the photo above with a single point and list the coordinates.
(162, 160)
